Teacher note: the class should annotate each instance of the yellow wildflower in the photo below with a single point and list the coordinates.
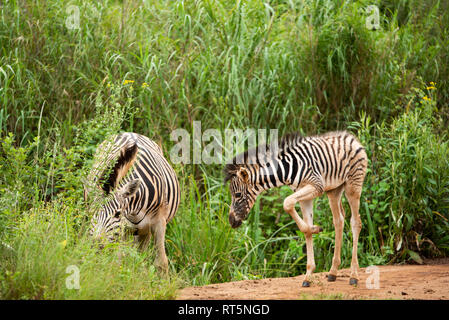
(426, 98)
(144, 85)
(128, 81)
(430, 88)
(63, 243)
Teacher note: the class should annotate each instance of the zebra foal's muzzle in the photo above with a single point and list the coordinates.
(234, 220)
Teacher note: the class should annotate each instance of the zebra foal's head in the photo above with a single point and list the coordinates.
(112, 205)
(242, 192)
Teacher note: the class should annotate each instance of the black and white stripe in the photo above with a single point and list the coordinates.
(140, 191)
(334, 163)
(325, 161)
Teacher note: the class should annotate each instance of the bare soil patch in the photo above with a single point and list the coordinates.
(428, 281)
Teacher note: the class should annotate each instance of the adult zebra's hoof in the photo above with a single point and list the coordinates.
(306, 284)
(331, 278)
(353, 281)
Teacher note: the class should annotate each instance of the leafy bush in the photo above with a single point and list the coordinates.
(407, 194)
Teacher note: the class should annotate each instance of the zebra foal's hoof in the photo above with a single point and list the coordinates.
(316, 229)
(331, 278)
(306, 284)
(353, 281)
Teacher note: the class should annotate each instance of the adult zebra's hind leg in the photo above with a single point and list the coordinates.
(338, 215)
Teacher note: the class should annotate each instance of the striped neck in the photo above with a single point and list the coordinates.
(268, 175)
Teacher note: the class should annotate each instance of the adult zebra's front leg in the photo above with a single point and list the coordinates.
(158, 231)
(155, 228)
(305, 197)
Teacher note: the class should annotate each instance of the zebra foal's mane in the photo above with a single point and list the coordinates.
(232, 168)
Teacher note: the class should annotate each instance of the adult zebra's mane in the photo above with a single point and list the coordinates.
(111, 178)
(111, 164)
(252, 156)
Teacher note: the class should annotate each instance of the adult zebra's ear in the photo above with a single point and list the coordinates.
(129, 189)
(127, 156)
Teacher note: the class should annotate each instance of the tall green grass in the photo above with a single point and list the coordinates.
(155, 66)
(38, 263)
(249, 63)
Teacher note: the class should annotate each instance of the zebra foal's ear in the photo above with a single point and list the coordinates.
(243, 174)
(229, 172)
(127, 156)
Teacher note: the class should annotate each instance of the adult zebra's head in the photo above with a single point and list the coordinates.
(110, 220)
(112, 206)
(242, 191)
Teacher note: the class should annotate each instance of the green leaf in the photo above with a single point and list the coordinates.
(415, 256)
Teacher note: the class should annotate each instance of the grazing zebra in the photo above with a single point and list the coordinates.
(142, 191)
(331, 163)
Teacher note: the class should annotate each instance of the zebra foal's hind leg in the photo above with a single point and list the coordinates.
(338, 216)
(353, 195)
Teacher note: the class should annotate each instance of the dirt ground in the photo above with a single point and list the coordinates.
(427, 281)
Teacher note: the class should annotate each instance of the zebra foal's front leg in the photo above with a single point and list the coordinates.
(308, 192)
(305, 197)
(307, 212)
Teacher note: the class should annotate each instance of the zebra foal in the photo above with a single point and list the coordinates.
(140, 194)
(332, 163)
